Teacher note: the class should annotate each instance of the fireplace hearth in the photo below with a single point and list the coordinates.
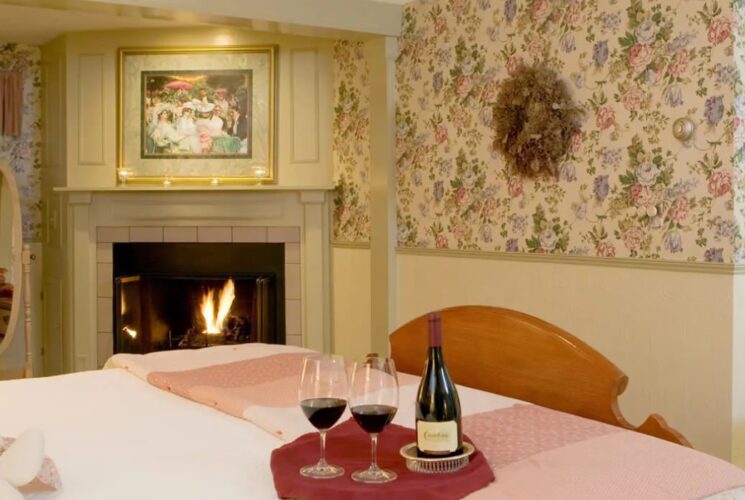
(191, 295)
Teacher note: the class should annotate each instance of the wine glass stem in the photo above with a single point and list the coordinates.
(374, 464)
(322, 462)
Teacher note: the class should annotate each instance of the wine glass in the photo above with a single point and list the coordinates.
(373, 400)
(322, 395)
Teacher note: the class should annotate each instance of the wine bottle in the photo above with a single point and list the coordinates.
(439, 432)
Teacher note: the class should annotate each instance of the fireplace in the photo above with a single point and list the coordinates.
(190, 295)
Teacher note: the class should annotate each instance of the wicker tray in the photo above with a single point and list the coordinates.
(436, 465)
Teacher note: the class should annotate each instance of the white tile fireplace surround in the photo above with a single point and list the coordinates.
(297, 218)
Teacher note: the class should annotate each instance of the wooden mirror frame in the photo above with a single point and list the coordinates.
(523, 357)
(16, 251)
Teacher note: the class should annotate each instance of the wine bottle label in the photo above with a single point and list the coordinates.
(437, 436)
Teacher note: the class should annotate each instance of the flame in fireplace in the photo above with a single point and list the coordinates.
(214, 320)
(130, 332)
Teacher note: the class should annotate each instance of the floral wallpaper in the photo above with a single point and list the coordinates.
(627, 188)
(351, 143)
(23, 153)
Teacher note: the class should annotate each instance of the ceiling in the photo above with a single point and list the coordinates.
(39, 24)
(34, 25)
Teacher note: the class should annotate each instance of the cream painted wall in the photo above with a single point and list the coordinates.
(305, 99)
(670, 331)
(738, 371)
(351, 301)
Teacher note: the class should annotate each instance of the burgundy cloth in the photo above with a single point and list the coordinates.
(348, 445)
(11, 103)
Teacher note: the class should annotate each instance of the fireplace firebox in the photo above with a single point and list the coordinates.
(190, 295)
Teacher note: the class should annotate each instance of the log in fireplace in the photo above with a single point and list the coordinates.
(190, 295)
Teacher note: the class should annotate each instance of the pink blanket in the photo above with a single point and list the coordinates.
(534, 451)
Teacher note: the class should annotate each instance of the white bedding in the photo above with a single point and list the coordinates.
(114, 436)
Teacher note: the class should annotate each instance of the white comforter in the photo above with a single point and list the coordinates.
(114, 436)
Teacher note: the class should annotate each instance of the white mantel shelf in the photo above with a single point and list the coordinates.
(139, 188)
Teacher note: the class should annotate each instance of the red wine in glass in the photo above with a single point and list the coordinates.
(322, 396)
(323, 413)
(373, 418)
(373, 400)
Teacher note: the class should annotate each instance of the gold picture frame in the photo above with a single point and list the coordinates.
(197, 115)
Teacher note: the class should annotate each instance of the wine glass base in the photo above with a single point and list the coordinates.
(374, 476)
(322, 471)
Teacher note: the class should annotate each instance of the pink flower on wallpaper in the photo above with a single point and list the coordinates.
(739, 132)
(515, 186)
(490, 92)
(441, 241)
(536, 47)
(514, 64)
(605, 249)
(679, 211)
(573, 14)
(641, 195)
(632, 238)
(459, 231)
(679, 65)
(605, 117)
(632, 98)
(463, 85)
(344, 121)
(441, 25)
(576, 144)
(719, 31)
(540, 10)
(640, 56)
(441, 134)
(463, 197)
(720, 183)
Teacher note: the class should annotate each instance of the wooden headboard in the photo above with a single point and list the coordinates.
(520, 356)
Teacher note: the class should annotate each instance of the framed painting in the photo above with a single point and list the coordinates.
(197, 115)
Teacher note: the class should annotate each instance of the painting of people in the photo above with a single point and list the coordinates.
(196, 114)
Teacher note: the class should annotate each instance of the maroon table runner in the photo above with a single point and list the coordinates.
(349, 446)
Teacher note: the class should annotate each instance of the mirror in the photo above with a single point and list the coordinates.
(10, 257)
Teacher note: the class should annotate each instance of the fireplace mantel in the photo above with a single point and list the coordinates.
(155, 188)
(209, 210)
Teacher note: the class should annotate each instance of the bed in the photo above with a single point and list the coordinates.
(164, 425)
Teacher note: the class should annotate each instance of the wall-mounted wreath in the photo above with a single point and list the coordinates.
(534, 121)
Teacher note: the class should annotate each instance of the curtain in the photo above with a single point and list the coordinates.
(11, 103)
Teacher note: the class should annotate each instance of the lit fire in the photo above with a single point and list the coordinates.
(130, 332)
(214, 320)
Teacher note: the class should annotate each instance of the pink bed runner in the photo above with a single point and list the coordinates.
(534, 452)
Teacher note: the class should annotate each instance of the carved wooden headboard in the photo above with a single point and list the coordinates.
(520, 356)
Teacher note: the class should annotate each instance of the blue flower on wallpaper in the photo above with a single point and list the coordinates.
(674, 96)
(567, 43)
(714, 109)
(600, 187)
(673, 242)
(740, 103)
(512, 245)
(714, 255)
(510, 9)
(438, 190)
(600, 52)
(437, 81)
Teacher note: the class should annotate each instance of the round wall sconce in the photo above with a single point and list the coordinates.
(683, 129)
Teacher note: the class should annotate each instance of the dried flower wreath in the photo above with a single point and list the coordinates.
(534, 121)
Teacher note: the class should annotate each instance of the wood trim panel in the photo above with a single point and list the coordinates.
(523, 357)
